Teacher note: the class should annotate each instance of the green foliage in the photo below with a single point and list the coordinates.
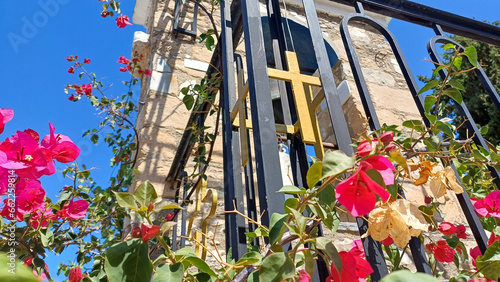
(128, 261)
(474, 96)
(406, 275)
(489, 263)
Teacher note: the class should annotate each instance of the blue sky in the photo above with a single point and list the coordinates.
(36, 39)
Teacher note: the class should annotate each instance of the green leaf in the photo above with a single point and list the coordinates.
(479, 155)
(210, 43)
(290, 189)
(13, 270)
(336, 163)
(126, 200)
(456, 84)
(169, 272)
(188, 255)
(314, 174)
(393, 190)
(438, 69)
(188, 101)
(47, 238)
(300, 220)
(276, 267)
(489, 263)
(167, 226)
(145, 194)
(454, 94)
(432, 143)
(458, 62)
(414, 124)
(376, 176)
(128, 261)
(276, 227)
(94, 138)
(448, 46)
(250, 258)
(431, 84)
(326, 245)
(326, 197)
(406, 275)
(471, 54)
(429, 101)
(291, 203)
(166, 205)
(444, 127)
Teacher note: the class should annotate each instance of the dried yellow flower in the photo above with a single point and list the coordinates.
(400, 219)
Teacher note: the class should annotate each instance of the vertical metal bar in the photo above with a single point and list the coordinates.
(233, 187)
(264, 131)
(332, 98)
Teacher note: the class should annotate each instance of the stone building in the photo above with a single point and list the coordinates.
(178, 60)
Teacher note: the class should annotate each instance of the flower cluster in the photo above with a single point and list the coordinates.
(24, 158)
(132, 65)
(358, 192)
(80, 90)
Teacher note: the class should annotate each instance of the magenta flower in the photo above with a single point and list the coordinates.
(122, 21)
(61, 148)
(5, 116)
(357, 193)
(489, 206)
(382, 165)
(25, 156)
(77, 209)
(123, 60)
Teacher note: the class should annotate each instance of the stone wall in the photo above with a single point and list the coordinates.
(178, 61)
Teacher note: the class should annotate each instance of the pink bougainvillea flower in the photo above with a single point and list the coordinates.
(493, 238)
(36, 217)
(358, 269)
(442, 252)
(461, 232)
(447, 228)
(71, 70)
(387, 137)
(489, 206)
(77, 209)
(30, 199)
(382, 165)
(6, 115)
(123, 69)
(123, 60)
(75, 274)
(26, 157)
(169, 217)
(365, 148)
(60, 146)
(357, 248)
(147, 72)
(357, 193)
(474, 253)
(122, 21)
(304, 276)
(86, 61)
(149, 231)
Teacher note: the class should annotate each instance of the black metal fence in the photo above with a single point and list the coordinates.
(243, 16)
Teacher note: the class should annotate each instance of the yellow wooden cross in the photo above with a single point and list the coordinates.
(306, 106)
(202, 196)
(240, 107)
(304, 102)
